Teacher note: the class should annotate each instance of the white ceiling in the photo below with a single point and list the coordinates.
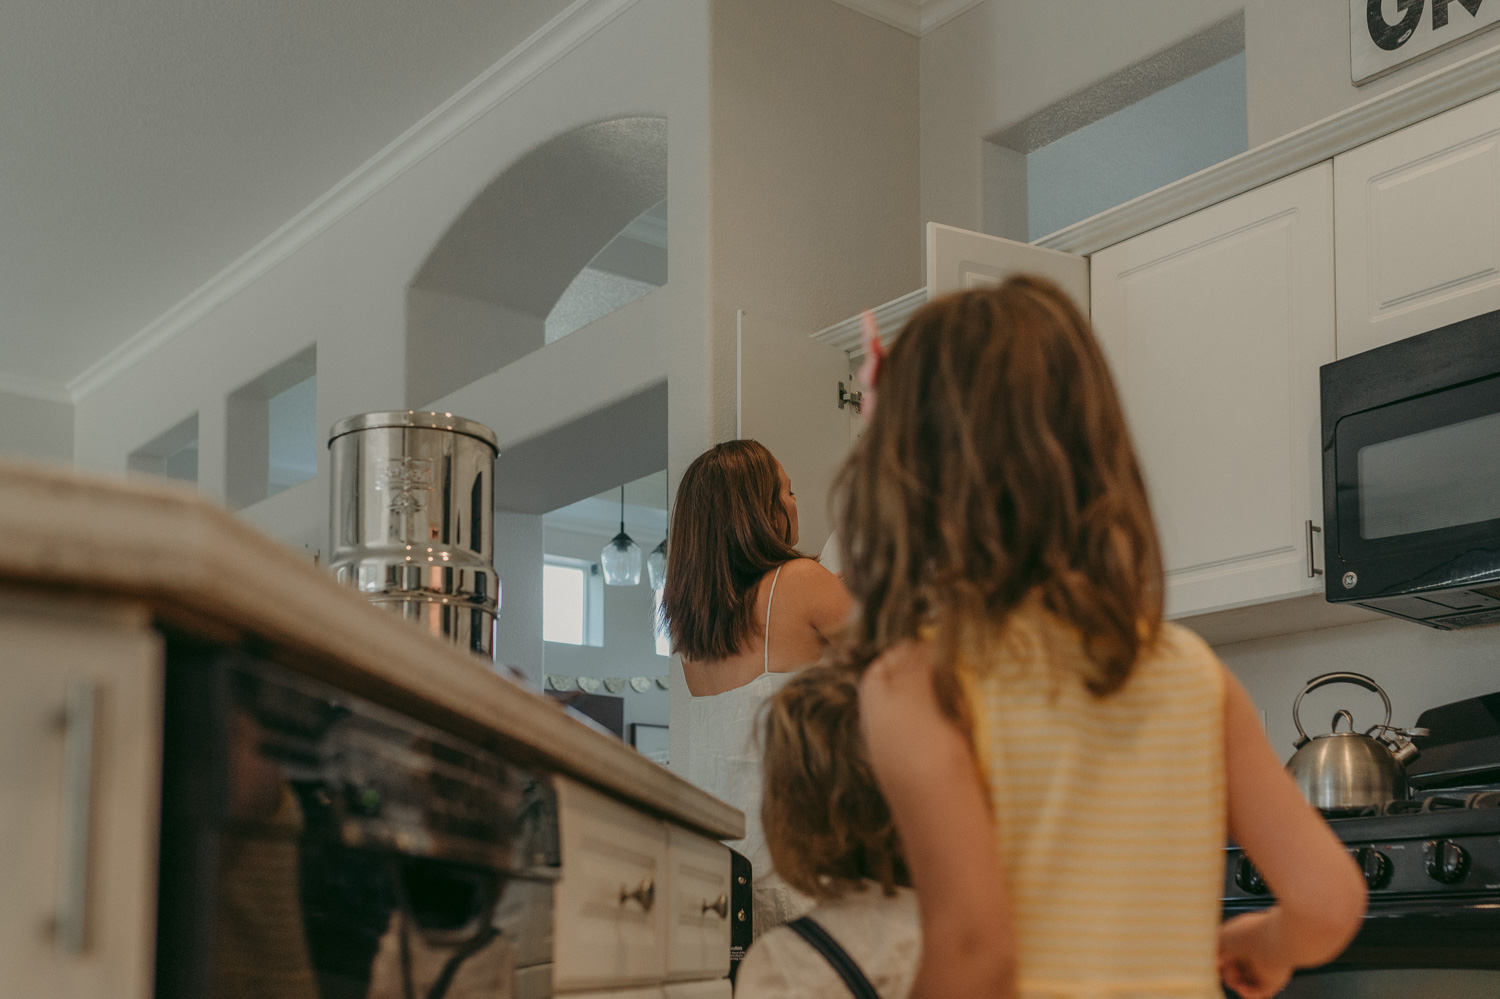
(146, 146)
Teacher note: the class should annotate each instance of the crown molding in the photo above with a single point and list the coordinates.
(916, 17)
(555, 39)
(34, 388)
(1438, 91)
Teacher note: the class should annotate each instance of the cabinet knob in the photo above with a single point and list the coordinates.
(719, 906)
(643, 893)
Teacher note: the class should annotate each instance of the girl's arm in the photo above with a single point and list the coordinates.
(826, 602)
(1320, 895)
(927, 771)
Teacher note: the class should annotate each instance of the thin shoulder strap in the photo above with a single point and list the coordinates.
(766, 668)
(838, 958)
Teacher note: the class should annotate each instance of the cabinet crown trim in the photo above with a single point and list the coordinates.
(1439, 91)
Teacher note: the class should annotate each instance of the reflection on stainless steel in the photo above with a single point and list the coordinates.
(411, 522)
(356, 853)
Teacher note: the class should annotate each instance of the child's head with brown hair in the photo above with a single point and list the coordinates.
(826, 823)
(997, 463)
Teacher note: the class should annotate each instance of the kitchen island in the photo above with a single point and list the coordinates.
(103, 582)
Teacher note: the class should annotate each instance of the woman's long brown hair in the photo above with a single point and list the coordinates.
(998, 463)
(729, 529)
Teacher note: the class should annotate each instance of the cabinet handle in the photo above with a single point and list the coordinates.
(1312, 570)
(78, 793)
(643, 893)
(720, 906)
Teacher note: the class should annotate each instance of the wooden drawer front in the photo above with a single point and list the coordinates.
(720, 989)
(698, 906)
(621, 994)
(608, 850)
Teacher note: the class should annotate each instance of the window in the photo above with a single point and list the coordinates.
(1153, 122)
(173, 453)
(272, 431)
(572, 602)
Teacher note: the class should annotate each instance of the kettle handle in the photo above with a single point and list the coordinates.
(1358, 679)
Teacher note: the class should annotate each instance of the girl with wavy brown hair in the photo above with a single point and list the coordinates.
(1062, 766)
(745, 610)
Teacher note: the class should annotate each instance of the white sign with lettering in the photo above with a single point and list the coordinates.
(1384, 34)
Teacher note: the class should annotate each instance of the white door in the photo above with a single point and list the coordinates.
(789, 401)
(958, 260)
(1417, 220)
(80, 769)
(1215, 326)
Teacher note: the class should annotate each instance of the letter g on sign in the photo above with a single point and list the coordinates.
(1392, 36)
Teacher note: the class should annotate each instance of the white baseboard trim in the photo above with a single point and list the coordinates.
(579, 21)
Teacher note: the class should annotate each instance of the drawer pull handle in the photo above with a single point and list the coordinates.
(719, 906)
(644, 893)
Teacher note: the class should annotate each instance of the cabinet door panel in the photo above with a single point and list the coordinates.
(119, 661)
(698, 906)
(1215, 326)
(610, 901)
(1418, 227)
(720, 989)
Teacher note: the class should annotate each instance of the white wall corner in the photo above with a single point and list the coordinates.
(555, 39)
(916, 17)
(34, 388)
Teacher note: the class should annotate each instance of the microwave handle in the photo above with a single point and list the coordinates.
(1312, 570)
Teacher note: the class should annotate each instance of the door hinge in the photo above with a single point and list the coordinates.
(848, 398)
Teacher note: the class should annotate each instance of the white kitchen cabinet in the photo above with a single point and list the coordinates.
(79, 778)
(1417, 218)
(1215, 326)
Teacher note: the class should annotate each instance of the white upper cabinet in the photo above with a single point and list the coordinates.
(1418, 227)
(1215, 326)
(958, 260)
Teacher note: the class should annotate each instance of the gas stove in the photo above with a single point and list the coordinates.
(1431, 862)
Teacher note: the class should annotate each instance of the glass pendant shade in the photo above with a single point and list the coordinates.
(621, 558)
(656, 565)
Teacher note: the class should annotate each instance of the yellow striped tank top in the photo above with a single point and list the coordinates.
(1109, 812)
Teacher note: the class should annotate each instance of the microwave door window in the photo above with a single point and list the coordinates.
(1441, 478)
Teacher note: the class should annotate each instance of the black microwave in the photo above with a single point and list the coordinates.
(1411, 476)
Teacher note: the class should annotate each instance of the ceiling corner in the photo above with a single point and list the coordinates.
(936, 13)
(916, 17)
(903, 14)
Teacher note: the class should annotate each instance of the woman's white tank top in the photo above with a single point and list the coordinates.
(725, 761)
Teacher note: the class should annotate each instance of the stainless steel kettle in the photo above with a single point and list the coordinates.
(1346, 771)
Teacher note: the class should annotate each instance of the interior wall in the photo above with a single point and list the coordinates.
(345, 289)
(1418, 667)
(35, 428)
(813, 173)
(518, 561)
(1001, 62)
(629, 643)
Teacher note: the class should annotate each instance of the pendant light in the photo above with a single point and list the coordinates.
(656, 562)
(622, 556)
(656, 565)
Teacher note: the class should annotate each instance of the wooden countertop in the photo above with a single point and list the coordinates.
(201, 570)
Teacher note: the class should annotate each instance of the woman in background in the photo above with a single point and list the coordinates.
(746, 609)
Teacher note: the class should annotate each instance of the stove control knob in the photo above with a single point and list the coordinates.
(1446, 861)
(1248, 878)
(1374, 865)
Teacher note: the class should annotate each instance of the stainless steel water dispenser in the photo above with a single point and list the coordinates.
(411, 524)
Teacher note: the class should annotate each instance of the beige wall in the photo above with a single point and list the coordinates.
(35, 428)
(1004, 60)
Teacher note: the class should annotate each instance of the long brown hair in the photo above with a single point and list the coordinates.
(998, 463)
(729, 528)
(827, 826)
